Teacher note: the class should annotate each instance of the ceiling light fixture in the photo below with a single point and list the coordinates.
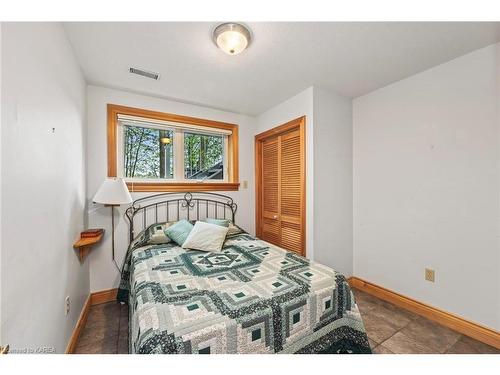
(232, 37)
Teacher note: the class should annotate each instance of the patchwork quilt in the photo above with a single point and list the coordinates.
(252, 297)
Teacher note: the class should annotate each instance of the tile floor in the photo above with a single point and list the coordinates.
(106, 331)
(390, 330)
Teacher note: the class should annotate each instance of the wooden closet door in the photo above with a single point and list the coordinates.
(270, 223)
(291, 191)
(280, 186)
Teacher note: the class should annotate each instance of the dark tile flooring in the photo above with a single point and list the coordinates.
(389, 328)
(106, 331)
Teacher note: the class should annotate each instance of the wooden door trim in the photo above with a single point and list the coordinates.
(299, 123)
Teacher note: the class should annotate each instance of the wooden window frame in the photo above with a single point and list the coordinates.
(231, 185)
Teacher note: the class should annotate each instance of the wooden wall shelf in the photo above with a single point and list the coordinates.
(83, 245)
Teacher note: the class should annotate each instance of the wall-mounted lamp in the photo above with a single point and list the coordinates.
(113, 192)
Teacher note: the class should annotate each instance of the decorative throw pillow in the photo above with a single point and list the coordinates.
(157, 234)
(221, 222)
(179, 231)
(234, 229)
(206, 237)
(140, 239)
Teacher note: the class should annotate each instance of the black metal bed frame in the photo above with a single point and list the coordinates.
(201, 205)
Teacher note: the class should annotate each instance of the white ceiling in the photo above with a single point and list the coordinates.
(283, 59)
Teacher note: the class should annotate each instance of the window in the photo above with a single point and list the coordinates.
(204, 156)
(152, 151)
(156, 151)
(147, 153)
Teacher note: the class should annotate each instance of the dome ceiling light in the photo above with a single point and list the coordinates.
(232, 37)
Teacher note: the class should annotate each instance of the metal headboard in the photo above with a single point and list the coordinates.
(190, 206)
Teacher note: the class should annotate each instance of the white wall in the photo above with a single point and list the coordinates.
(426, 186)
(295, 107)
(1, 341)
(103, 274)
(498, 143)
(328, 171)
(333, 180)
(43, 186)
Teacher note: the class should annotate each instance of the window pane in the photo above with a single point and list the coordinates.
(203, 156)
(148, 153)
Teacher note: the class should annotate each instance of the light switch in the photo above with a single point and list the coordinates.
(244, 184)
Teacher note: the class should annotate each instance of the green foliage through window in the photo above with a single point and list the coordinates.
(148, 153)
(203, 156)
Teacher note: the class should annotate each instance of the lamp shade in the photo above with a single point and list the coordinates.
(113, 191)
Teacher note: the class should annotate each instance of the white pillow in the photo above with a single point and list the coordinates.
(206, 237)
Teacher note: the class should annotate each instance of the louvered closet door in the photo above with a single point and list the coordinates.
(270, 191)
(280, 186)
(290, 186)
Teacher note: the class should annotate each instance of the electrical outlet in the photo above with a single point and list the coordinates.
(66, 305)
(429, 275)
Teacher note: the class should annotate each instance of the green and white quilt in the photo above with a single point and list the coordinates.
(252, 297)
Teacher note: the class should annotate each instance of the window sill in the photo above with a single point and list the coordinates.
(183, 186)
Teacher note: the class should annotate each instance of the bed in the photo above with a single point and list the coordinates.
(252, 297)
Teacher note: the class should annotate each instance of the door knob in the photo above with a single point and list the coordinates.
(275, 217)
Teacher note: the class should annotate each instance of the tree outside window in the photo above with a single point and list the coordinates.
(149, 154)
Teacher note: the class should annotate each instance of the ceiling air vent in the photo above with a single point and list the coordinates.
(144, 73)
